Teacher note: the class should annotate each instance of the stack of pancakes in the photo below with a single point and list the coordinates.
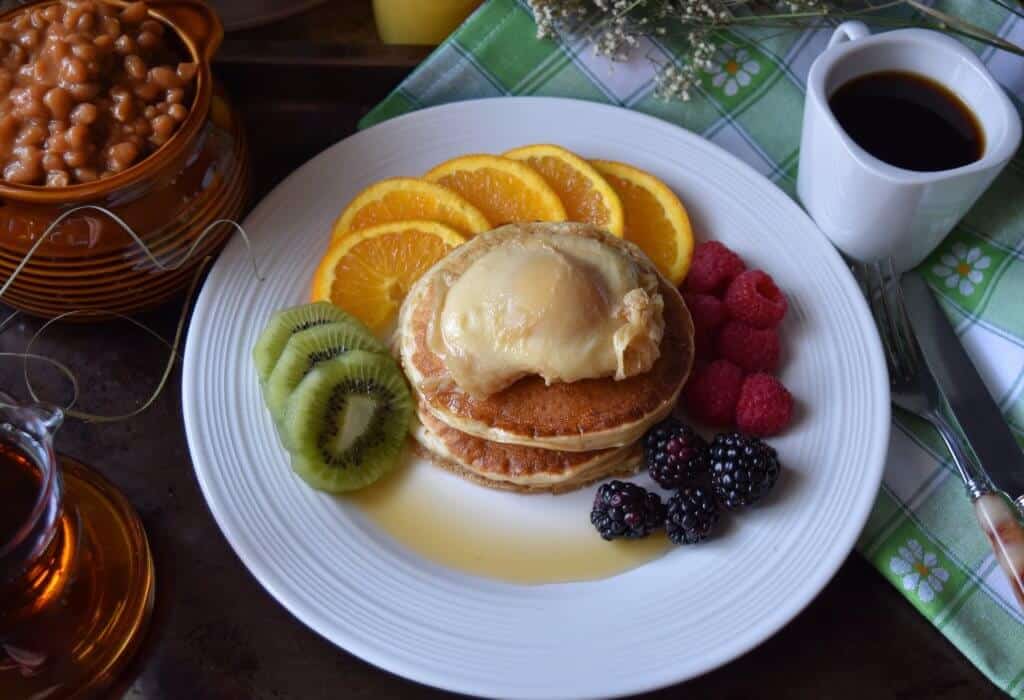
(532, 436)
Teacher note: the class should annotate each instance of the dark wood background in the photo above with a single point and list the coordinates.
(216, 633)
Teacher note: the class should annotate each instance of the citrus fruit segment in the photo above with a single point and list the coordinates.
(409, 199)
(368, 273)
(505, 190)
(586, 195)
(655, 218)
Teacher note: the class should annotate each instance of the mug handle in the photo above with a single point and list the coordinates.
(848, 31)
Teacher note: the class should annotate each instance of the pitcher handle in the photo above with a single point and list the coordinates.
(40, 419)
(849, 31)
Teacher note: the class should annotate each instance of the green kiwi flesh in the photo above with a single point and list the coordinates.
(347, 421)
(307, 349)
(283, 324)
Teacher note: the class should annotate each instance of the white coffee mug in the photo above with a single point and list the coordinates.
(871, 209)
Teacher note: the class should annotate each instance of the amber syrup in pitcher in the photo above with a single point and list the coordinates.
(34, 581)
(72, 609)
(76, 575)
(20, 482)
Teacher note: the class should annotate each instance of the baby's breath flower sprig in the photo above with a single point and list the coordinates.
(615, 28)
(551, 15)
(679, 81)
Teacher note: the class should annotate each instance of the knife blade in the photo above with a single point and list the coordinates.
(978, 414)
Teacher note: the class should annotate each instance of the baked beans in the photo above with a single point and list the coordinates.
(87, 90)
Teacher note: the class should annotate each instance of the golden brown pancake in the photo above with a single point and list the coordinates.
(590, 414)
(518, 468)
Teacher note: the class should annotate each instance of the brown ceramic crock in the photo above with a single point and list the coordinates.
(199, 176)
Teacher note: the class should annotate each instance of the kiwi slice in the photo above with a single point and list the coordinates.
(304, 351)
(347, 421)
(286, 322)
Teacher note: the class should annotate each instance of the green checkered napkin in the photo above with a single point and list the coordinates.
(921, 535)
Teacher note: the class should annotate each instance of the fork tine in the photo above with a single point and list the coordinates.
(897, 341)
(901, 340)
(905, 331)
(872, 289)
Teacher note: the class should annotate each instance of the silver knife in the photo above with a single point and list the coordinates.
(982, 423)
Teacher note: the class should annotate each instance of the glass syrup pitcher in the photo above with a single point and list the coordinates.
(76, 575)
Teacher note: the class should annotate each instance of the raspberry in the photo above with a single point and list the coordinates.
(753, 297)
(707, 311)
(753, 349)
(713, 267)
(765, 406)
(712, 392)
(704, 346)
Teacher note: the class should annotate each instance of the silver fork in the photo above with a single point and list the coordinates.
(914, 389)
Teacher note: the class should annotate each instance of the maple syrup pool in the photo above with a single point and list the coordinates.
(506, 536)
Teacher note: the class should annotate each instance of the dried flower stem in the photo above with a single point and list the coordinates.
(615, 27)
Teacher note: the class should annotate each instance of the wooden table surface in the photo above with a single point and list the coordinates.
(216, 633)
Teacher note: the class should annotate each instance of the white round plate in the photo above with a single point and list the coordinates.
(664, 622)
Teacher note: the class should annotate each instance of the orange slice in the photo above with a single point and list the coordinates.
(368, 273)
(586, 195)
(408, 199)
(505, 190)
(655, 218)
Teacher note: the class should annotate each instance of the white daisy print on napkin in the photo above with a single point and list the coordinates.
(918, 570)
(963, 268)
(732, 69)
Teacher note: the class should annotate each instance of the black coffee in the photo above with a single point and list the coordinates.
(909, 121)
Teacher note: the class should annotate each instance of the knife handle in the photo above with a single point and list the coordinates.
(998, 519)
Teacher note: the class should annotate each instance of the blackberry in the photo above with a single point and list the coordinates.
(674, 453)
(691, 515)
(742, 469)
(622, 509)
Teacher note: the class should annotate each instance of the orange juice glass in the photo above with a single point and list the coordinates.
(420, 21)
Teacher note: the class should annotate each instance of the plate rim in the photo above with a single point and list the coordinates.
(858, 512)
